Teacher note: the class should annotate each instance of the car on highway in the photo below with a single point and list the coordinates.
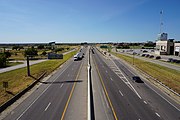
(137, 79)
(77, 57)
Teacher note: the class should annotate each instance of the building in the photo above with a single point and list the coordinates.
(165, 46)
(162, 37)
(177, 48)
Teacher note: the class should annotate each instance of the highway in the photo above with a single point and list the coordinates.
(63, 95)
(51, 99)
(127, 99)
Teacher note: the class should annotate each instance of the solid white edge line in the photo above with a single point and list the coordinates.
(157, 93)
(41, 94)
(162, 97)
(127, 80)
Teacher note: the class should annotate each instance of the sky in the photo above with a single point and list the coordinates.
(74, 21)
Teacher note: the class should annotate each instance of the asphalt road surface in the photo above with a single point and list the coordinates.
(50, 101)
(130, 100)
(115, 96)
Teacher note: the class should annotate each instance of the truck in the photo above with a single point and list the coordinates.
(77, 57)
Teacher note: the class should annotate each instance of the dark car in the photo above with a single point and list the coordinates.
(147, 55)
(170, 60)
(143, 55)
(144, 51)
(137, 79)
(151, 56)
(158, 57)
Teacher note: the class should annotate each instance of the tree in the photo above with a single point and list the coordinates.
(40, 47)
(59, 49)
(21, 47)
(2, 60)
(68, 48)
(7, 54)
(30, 52)
(17, 47)
(149, 44)
(44, 53)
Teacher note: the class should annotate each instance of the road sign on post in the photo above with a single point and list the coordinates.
(5, 85)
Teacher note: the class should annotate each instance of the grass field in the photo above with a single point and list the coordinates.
(135, 47)
(9, 64)
(19, 54)
(167, 76)
(18, 79)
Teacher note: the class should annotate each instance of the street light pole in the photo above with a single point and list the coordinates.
(28, 69)
(133, 57)
(133, 54)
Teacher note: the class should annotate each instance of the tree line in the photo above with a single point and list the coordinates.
(4, 57)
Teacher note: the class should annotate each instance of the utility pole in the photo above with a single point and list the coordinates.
(28, 68)
(133, 52)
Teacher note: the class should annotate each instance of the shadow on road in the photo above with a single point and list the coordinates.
(60, 82)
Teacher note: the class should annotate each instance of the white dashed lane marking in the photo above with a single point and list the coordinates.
(121, 93)
(47, 106)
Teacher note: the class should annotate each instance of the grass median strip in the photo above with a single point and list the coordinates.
(18, 79)
(167, 76)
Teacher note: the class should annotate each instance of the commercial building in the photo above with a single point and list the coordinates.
(177, 48)
(165, 46)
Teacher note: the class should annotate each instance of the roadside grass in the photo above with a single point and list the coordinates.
(17, 55)
(171, 62)
(9, 64)
(167, 76)
(135, 47)
(18, 79)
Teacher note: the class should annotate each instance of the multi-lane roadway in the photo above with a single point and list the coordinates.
(64, 96)
(51, 99)
(126, 98)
